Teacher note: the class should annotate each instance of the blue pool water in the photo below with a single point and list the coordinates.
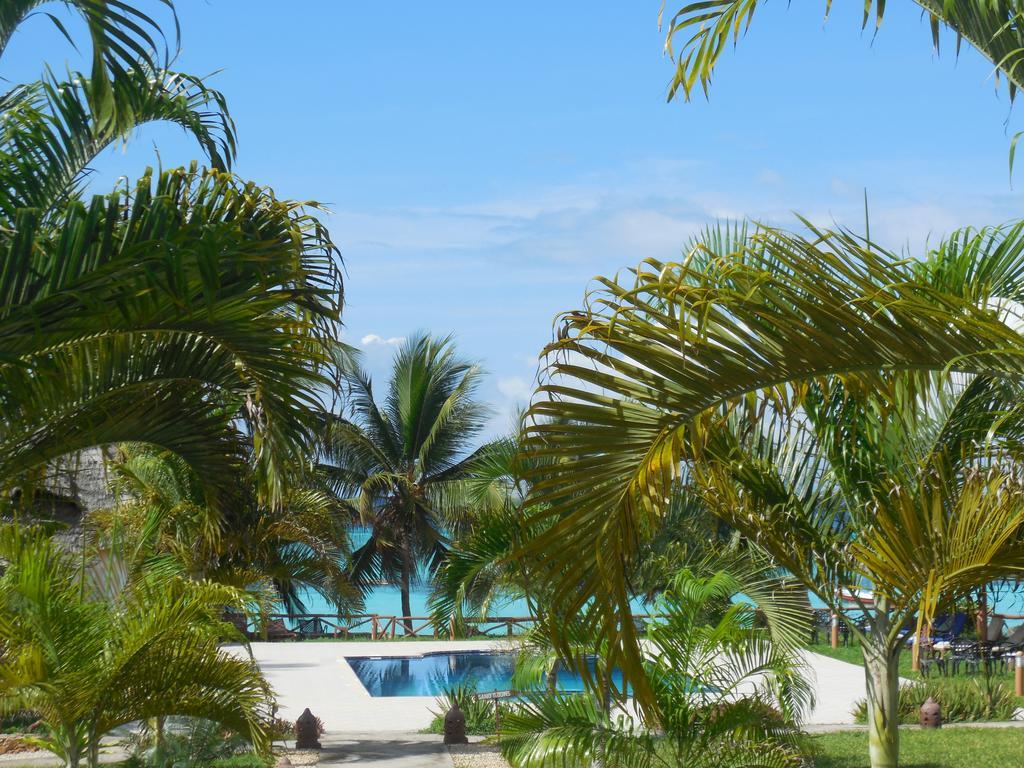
(433, 673)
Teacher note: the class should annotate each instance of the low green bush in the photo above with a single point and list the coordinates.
(194, 743)
(20, 721)
(241, 761)
(479, 714)
(962, 701)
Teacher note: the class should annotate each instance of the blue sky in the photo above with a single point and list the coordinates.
(483, 161)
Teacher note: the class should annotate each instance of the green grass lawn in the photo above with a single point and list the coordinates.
(852, 655)
(945, 748)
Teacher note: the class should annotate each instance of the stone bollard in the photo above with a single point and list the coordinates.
(1018, 673)
(455, 726)
(307, 731)
(283, 762)
(931, 714)
(835, 631)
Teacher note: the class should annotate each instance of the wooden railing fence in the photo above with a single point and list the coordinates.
(282, 626)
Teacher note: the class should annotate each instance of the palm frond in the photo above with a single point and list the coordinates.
(122, 39)
(206, 289)
(629, 375)
(995, 28)
(49, 134)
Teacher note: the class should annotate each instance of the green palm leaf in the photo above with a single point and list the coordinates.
(632, 377)
(204, 291)
(706, 28)
(89, 665)
(49, 134)
(122, 38)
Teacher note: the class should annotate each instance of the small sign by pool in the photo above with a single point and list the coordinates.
(433, 673)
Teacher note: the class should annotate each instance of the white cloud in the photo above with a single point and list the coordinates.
(840, 188)
(515, 388)
(530, 361)
(498, 268)
(372, 338)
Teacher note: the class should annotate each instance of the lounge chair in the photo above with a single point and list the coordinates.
(951, 630)
(313, 627)
(276, 630)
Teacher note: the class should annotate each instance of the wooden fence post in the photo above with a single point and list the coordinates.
(1019, 673)
(375, 628)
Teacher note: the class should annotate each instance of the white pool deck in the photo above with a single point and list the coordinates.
(316, 675)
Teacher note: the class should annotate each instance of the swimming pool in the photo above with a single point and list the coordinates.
(432, 673)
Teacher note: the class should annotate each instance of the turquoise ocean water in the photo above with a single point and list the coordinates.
(386, 600)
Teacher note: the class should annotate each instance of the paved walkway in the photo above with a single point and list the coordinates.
(406, 750)
(316, 675)
(838, 685)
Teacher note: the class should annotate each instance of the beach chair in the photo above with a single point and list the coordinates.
(950, 630)
(311, 628)
(276, 630)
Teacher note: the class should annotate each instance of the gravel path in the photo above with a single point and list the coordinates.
(477, 756)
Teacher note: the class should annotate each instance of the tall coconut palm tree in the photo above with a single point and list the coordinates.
(995, 28)
(405, 462)
(88, 664)
(639, 377)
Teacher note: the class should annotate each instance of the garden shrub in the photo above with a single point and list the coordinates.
(962, 701)
(479, 713)
(195, 743)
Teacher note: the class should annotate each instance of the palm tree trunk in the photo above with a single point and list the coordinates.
(159, 732)
(93, 750)
(405, 587)
(72, 755)
(881, 670)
